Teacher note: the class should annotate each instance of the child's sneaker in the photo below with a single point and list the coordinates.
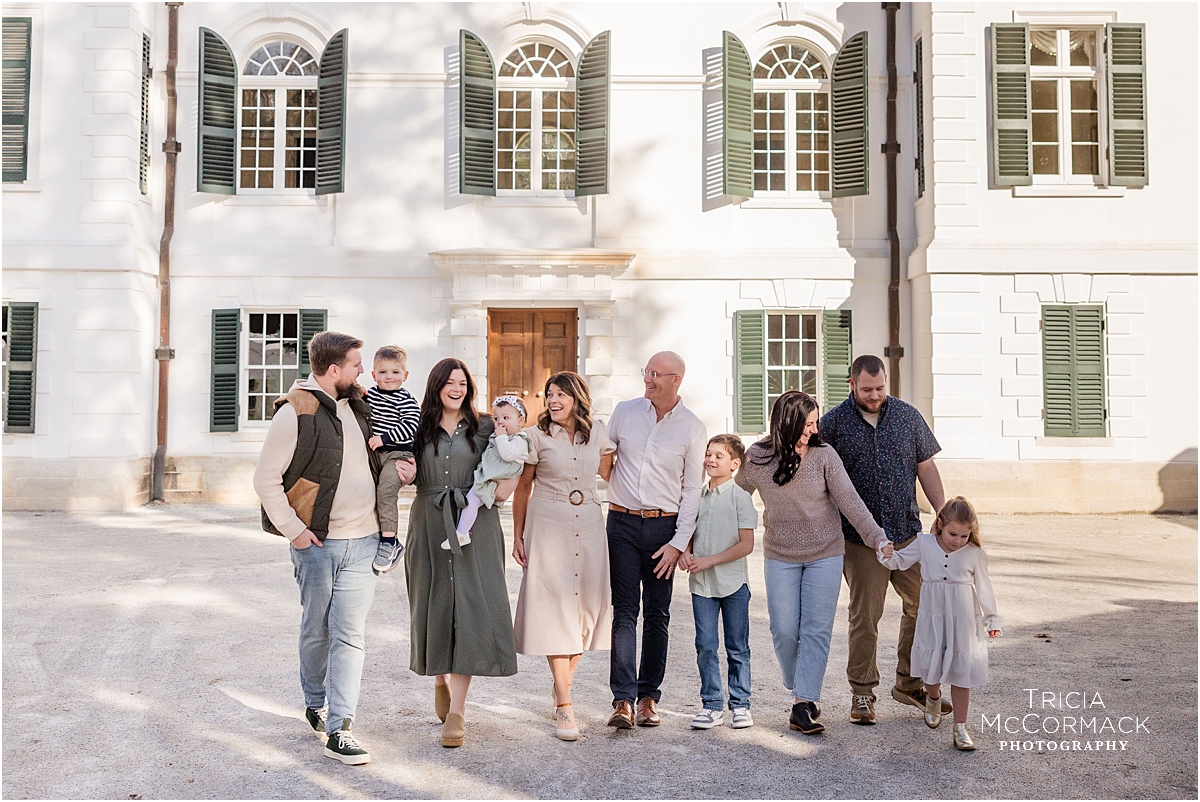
(707, 719)
(387, 555)
(342, 746)
(463, 539)
(316, 719)
(741, 718)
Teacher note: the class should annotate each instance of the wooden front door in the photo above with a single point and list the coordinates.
(526, 347)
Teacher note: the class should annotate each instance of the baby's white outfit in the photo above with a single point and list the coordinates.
(958, 607)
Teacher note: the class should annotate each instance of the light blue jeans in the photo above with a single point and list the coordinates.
(801, 602)
(337, 587)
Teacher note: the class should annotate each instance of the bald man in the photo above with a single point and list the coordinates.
(654, 497)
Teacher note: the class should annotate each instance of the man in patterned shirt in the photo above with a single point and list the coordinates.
(887, 448)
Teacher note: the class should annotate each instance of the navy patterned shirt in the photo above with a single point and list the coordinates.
(882, 462)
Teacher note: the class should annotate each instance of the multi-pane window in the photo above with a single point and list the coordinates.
(1064, 81)
(273, 360)
(791, 354)
(279, 119)
(535, 121)
(791, 121)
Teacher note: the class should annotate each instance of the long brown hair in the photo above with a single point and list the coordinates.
(788, 417)
(573, 385)
(431, 406)
(959, 511)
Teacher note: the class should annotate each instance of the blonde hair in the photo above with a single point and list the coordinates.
(959, 511)
(393, 353)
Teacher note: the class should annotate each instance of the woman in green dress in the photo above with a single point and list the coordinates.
(461, 622)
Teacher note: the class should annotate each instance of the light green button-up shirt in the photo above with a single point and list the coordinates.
(723, 511)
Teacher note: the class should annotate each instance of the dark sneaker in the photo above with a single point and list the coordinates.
(387, 556)
(862, 710)
(916, 698)
(804, 718)
(316, 720)
(342, 746)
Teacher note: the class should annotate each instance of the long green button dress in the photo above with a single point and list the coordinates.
(458, 600)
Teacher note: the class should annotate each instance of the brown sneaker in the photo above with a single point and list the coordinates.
(916, 698)
(862, 710)
(647, 713)
(622, 717)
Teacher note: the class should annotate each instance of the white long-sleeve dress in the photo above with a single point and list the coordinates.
(958, 607)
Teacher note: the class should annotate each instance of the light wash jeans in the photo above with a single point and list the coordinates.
(337, 587)
(801, 602)
(734, 612)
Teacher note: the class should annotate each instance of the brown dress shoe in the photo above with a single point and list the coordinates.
(647, 713)
(622, 717)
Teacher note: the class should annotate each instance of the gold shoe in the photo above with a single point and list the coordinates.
(962, 739)
(441, 701)
(566, 730)
(454, 730)
(933, 712)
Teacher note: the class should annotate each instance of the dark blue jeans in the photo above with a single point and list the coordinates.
(631, 542)
(734, 612)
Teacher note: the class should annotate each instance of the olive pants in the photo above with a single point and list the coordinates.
(868, 581)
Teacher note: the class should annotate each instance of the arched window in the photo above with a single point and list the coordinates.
(791, 120)
(535, 121)
(279, 118)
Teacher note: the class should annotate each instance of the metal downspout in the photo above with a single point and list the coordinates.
(894, 351)
(164, 353)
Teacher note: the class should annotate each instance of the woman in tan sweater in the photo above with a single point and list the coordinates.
(803, 487)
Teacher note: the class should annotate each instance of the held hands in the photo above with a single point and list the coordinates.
(375, 443)
(686, 561)
(670, 558)
(885, 549)
(306, 539)
(406, 469)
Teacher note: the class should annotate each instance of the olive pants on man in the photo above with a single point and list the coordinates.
(868, 581)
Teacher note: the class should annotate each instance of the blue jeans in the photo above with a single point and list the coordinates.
(337, 587)
(734, 611)
(802, 601)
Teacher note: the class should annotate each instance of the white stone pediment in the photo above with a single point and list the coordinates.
(578, 274)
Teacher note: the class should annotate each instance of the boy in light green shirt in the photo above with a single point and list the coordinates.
(716, 560)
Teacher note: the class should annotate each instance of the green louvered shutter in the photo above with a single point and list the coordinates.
(21, 392)
(476, 117)
(312, 322)
(750, 394)
(849, 141)
(836, 355)
(1073, 371)
(226, 345)
(216, 148)
(1009, 100)
(16, 46)
(1128, 149)
(737, 112)
(591, 118)
(144, 138)
(331, 115)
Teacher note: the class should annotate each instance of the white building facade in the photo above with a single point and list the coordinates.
(533, 187)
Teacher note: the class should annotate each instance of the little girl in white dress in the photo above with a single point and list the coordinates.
(957, 613)
(503, 460)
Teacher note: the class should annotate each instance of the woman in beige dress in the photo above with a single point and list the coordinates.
(564, 607)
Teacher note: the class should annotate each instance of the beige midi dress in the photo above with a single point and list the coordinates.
(565, 606)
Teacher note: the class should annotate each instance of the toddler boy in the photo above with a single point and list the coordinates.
(716, 560)
(394, 419)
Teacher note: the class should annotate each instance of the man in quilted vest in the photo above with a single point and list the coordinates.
(316, 480)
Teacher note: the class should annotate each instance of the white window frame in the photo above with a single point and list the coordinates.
(281, 84)
(1063, 76)
(789, 87)
(818, 368)
(244, 366)
(535, 86)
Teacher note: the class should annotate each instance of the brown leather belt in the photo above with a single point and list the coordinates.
(641, 513)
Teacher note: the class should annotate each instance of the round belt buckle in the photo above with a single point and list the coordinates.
(575, 497)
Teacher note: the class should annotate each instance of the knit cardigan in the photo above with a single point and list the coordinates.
(801, 518)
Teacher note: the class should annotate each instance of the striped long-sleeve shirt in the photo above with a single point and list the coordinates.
(394, 417)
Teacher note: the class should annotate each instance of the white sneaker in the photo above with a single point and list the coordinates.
(707, 719)
(741, 718)
(463, 539)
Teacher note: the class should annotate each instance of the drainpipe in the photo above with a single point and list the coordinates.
(165, 353)
(894, 351)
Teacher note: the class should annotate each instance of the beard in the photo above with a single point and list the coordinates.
(348, 390)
